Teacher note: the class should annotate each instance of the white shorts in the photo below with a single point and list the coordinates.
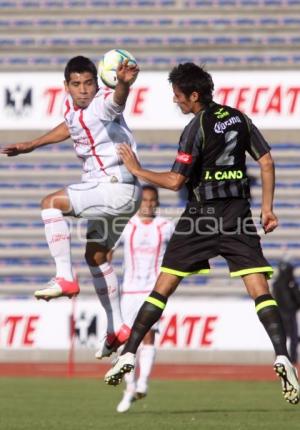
(107, 206)
(130, 305)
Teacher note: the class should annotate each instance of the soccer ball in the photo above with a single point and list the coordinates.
(108, 65)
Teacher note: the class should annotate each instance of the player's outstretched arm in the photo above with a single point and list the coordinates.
(267, 169)
(126, 75)
(56, 135)
(171, 180)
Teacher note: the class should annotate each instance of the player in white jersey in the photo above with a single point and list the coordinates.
(144, 241)
(108, 195)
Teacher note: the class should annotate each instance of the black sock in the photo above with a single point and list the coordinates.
(268, 313)
(149, 313)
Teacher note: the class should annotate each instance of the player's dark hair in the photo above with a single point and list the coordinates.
(150, 188)
(189, 77)
(80, 64)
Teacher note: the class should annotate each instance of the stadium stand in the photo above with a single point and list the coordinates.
(223, 34)
(140, 40)
(24, 255)
(220, 33)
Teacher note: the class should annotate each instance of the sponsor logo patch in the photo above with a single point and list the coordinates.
(183, 157)
(220, 127)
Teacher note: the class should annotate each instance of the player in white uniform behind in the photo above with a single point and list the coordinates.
(144, 239)
(108, 195)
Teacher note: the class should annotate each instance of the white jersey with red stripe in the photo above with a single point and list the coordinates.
(96, 132)
(144, 246)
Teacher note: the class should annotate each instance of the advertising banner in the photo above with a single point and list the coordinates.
(33, 101)
(187, 323)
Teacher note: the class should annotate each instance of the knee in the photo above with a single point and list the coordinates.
(94, 257)
(149, 338)
(47, 202)
(166, 284)
(256, 284)
(58, 200)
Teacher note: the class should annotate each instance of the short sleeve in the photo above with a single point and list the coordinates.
(188, 150)
(105, 107)
(258, 146)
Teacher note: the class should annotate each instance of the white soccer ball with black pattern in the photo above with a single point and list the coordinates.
(108, 65)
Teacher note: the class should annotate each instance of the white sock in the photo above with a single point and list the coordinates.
(146, 361)
(58, 238)
(108, 292)
(130, 381)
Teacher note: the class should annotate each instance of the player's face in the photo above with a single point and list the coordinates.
(186, 104)
(82, 87)
(149, 204)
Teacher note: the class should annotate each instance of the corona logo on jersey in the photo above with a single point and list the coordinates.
(220, 127)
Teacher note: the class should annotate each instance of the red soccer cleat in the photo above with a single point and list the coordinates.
(111, 342)
(58, 287)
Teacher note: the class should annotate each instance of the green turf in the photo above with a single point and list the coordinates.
(82, 404)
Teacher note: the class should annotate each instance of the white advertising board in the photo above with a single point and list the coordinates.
(30, 101)
(188, 323)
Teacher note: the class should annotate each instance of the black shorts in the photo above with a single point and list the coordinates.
(218, 227)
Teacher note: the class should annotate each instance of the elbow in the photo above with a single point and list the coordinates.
(269, 165)
(176, 186)
(176, 182)
(267, 162)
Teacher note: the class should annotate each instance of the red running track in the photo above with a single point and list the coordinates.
(160, 371)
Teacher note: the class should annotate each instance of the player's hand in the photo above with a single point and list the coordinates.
(127, 73)
(129, 158)
(16, 149)
(269, 221)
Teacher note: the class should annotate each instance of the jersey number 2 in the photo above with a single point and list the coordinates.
(226, 159)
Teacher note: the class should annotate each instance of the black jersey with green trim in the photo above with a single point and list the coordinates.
(212, 153)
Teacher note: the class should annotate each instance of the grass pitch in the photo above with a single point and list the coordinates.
(83, 404)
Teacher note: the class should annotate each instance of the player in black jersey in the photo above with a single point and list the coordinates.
(217, 219)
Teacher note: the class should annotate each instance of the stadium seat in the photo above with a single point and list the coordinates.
(281, 59)
(157, 41)
(222, 34)
(232, 60)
